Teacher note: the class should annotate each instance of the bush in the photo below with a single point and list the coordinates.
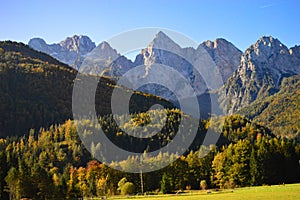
(229, 184)
(203, 184)
(127, 188)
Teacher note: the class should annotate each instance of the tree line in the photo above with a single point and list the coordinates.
(54, 164)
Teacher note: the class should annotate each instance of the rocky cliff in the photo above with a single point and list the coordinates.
(71, 51)
(262, 67)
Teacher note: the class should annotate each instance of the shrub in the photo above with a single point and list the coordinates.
(203, 184)
(127, 188)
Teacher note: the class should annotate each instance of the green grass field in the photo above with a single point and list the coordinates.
(274, 192)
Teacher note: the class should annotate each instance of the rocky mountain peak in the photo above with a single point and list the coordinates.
(224, 54)
(217, 43)
(161, 34)
(261, 70)
(78, 43)
(162, 49)
(267, 39)
(38, 43)
(105, 51)
(267, 45)
(209, 44)
(106, 61)
(267, 53)
(104, 45)
(162, 37)
(71, 50)
(164, 42)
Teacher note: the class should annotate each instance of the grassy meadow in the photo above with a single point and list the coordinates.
(274, 192)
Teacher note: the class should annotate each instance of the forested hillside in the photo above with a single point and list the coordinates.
(55, 165)
(36, 91)
(279, 112)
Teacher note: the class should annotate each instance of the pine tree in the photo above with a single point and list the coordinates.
(254, 172)
(165, 185)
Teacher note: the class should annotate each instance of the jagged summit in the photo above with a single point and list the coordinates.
(268, 52)
(162, 41)
(78, 43)
(105, 45)
(267, 45)
(71, 50)
(262, 68)
(161, 34)
(268, 40)
(225, 55)
(214, 44)
(105, 51)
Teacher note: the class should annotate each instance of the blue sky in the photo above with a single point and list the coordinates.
(241, 21)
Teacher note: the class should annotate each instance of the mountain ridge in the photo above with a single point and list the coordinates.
(71, 50)
(262, 68)
(245, 76)
(160, 41)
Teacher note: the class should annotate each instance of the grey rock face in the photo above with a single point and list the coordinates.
(196, 65)
(262, 67)
(163, 51)
(295, 51)
(254, 74)
(70, 51)
(224, 54)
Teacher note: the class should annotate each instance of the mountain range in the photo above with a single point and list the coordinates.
(247, 76)
(74, 49)
(219, 55)
(261, 83)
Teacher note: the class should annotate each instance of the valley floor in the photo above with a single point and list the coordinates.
(274, 192)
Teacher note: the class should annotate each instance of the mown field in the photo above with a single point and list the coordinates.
(274, 192)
